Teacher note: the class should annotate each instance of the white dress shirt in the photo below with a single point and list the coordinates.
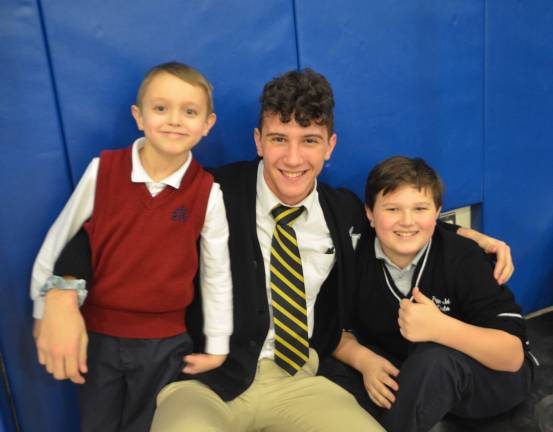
(314, 242)
(215, 274)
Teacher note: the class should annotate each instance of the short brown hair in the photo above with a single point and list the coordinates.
(186, 73)
(303, 95)
(397, 171)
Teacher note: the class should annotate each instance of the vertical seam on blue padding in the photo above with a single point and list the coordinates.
(296, 34)
(484, 108)
(55, 91)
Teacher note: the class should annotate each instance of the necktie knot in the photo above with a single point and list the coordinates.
(285, 215)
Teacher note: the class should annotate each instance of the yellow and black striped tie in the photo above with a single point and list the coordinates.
(288, 293)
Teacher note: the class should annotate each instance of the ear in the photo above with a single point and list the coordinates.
(331, 144)
(209, 122)
(370, 216)
(135, 111)
(258, 143)
(438, 212)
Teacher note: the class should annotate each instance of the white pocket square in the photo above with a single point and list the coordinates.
(354, 237)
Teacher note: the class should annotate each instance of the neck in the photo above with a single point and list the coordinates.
(158, 166)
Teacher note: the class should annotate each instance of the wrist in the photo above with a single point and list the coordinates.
(68, 285)
(61, 298)
(363, 359)
(442, 329)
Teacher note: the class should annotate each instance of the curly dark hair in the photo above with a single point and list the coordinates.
(306, 95)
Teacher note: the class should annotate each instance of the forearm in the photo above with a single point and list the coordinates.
(495, 349)
(351, 352)
(470, 234)
(77, 210)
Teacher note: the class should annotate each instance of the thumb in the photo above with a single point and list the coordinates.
(419, 297)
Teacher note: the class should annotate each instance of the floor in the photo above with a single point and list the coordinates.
(536, 413)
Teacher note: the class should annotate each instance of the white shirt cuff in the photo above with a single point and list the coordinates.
(218, 345)
(38, 308)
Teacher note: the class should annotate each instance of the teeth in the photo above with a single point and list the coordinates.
(405, 234)
(292, 174)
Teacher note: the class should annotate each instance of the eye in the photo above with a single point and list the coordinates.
(421, 209)
(311, 141)
(191, 112)
(159, 108)
(277, 139)
(392, 209)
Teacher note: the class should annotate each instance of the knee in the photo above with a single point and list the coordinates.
(430, 359)
(189, 406)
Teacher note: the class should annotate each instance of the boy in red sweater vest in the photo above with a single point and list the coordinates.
(145, 208)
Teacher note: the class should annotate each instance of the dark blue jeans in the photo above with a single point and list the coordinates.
(124, 377)
(435, 380)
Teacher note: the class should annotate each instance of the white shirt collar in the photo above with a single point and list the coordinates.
(379, 254)
(267, 200)
(139, 174)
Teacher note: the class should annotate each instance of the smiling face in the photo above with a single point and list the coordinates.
(293, 156)
(174, 117)
(404, 220)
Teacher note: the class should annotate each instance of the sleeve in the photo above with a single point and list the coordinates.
(77, 210)
(484, 302)
(215, 275)
(76, 258)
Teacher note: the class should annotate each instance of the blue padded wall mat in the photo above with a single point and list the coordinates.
(408, 80)
(101, 52)
(464, 83)
(518, 175)
(35, 184)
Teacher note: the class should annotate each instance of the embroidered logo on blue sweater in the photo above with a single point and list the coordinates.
(180, 214)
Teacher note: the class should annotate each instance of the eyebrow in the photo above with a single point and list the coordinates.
(270, 134)
(394, 203)
(163, 99)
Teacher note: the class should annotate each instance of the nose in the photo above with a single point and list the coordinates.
(406, 218)
(175, 118)
(293, 154)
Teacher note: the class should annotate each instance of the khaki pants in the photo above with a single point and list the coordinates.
(275, 402)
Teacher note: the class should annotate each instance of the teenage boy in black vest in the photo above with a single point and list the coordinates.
(433, 331)
(250, 391)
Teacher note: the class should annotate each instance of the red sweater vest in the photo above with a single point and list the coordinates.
(144, 250)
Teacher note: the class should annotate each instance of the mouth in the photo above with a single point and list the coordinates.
(292, 174)
(173, 134)
(406, 234)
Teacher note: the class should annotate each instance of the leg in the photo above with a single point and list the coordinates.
(305, 402)
(351, 380)
(435, 380)
(191, 406)
(149, 364)
(101, 396)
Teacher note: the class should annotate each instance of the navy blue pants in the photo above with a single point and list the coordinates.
(124, 377)
(435, 380)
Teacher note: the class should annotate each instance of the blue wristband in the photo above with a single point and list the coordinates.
(78, 285)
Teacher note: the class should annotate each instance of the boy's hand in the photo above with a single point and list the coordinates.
(504, 267)
(198, 363)
(419, 320)
(378, 374)
(61, 337)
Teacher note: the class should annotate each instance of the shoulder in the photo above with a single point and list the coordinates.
(339, 197)
(116, 155)
(458, 249)
(231, 174)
